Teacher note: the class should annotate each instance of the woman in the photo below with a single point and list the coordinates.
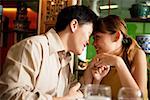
(119, 62)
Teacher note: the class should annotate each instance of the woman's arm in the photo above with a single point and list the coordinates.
(138, 76)
(140, 71)
(124, 74)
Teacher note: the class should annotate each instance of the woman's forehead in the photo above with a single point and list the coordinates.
(98, 33)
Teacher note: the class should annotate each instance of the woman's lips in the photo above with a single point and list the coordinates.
(98, 50)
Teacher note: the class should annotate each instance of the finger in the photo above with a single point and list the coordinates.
(95, 68)
(76, 87)
(99, 55)
(96, 75)
(98, 64)
(100, 70)
(102, 62)
(97, 59)
(80, 93)
(92, 64)
(94, 72)
(107, 66)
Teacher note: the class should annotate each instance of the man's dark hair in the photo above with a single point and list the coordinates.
(80, 12)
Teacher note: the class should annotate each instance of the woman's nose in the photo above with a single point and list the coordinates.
(94, 43)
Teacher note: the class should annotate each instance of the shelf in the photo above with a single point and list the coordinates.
(137, 20)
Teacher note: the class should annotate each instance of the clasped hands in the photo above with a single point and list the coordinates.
(99, 68)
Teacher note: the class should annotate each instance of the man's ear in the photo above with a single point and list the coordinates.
(73, 25)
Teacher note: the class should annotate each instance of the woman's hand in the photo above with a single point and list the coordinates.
(87, 76)
(99, 72)
(95, 72)
(107, 59)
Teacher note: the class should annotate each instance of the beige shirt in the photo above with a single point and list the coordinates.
(34, 69)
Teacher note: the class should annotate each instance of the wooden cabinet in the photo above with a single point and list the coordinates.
(49, 11)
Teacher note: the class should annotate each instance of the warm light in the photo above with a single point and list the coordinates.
(9, 9)
(62, 3)
(52, 3)
(107, 7)
(14, 9)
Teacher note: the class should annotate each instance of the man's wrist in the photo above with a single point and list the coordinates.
(96, 81)
(59, 98)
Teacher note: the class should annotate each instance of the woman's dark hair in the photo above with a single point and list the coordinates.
(80, 12)
(111, 24)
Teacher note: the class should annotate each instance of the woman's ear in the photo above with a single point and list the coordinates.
(117, 35)
(73, 25)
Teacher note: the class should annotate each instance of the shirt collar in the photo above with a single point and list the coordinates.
(65, 58)
(54, 41)
(56, 46)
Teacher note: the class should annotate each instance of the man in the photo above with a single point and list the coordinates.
(38, 67)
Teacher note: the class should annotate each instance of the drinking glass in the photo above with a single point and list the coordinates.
(97, 92)
(128, 93)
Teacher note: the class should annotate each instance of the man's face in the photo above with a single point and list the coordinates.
(81, 37)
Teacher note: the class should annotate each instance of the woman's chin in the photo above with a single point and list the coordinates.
(100, 52)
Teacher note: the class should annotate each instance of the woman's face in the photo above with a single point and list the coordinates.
(104, 42)
(81, 38)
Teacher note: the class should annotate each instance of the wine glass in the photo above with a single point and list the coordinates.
(128, 93)
(97, 92)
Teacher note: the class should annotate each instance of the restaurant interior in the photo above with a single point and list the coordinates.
(20, 19)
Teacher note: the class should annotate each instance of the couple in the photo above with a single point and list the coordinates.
(38, 68)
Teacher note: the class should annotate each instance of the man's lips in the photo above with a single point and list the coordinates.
(84, 45)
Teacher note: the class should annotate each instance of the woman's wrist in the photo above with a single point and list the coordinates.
(119, 62)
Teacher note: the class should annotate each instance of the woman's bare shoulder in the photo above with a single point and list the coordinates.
(140, 53)
(139, 58)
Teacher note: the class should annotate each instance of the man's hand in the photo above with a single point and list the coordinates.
(74, 93)
(99, 72)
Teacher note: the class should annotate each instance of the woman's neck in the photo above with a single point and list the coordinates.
(118, 51)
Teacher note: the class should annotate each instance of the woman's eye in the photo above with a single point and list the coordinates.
(97, 37)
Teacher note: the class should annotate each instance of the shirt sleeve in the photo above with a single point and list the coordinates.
(20, 72)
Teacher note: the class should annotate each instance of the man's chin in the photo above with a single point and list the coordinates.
(76, 52)
(79, 52)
